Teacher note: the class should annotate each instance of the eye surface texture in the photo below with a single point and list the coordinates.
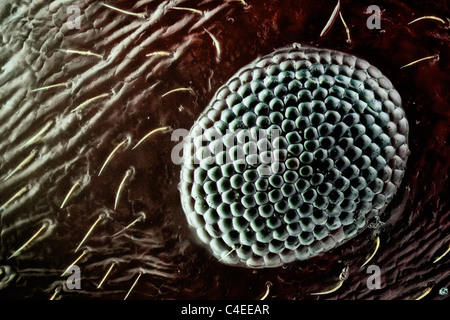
(326, 158)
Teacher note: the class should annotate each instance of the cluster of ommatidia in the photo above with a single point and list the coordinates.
(313, 145)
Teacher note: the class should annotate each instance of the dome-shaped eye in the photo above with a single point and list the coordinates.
(310, 150)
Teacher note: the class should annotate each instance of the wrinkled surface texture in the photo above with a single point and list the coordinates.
(51, 155)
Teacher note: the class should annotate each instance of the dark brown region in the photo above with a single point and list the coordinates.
(75, 145)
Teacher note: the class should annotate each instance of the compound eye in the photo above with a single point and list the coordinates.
(308, 150)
